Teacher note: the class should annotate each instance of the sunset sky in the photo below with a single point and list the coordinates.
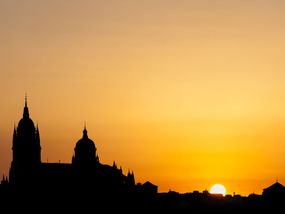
(185, 93)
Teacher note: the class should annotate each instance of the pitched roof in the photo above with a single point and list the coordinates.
(275, 186)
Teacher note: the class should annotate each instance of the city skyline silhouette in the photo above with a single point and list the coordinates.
(26, 116)
(87, 179)
(185, 95)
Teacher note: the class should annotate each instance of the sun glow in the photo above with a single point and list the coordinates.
(218, 189)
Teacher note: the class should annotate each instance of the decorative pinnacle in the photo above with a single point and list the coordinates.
(85, 130)
(26, 110)
(26, 98)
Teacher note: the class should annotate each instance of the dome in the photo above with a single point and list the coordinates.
(85, 150)
(26, 125)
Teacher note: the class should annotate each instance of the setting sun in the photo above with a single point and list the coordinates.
(218, 189)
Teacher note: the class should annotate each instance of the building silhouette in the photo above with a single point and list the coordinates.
(74, 181)
(86, 184)
(26, 150)
(274, 194)
(27, 169)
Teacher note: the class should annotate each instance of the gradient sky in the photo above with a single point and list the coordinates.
(185, 93)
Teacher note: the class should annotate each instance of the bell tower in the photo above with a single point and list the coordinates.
(26, 149)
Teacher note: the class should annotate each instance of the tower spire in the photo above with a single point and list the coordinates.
(26, 110)
(85, 131)
(26, 102)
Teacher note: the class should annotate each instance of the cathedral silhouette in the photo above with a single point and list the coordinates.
(83, 180)
(27, 167)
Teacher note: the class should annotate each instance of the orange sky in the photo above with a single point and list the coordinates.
(185, 93)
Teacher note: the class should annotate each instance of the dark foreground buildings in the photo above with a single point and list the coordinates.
(87, 186)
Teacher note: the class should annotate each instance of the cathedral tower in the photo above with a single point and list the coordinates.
(26, 148)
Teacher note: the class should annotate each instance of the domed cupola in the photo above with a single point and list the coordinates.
(85, 151)
(26, 128)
